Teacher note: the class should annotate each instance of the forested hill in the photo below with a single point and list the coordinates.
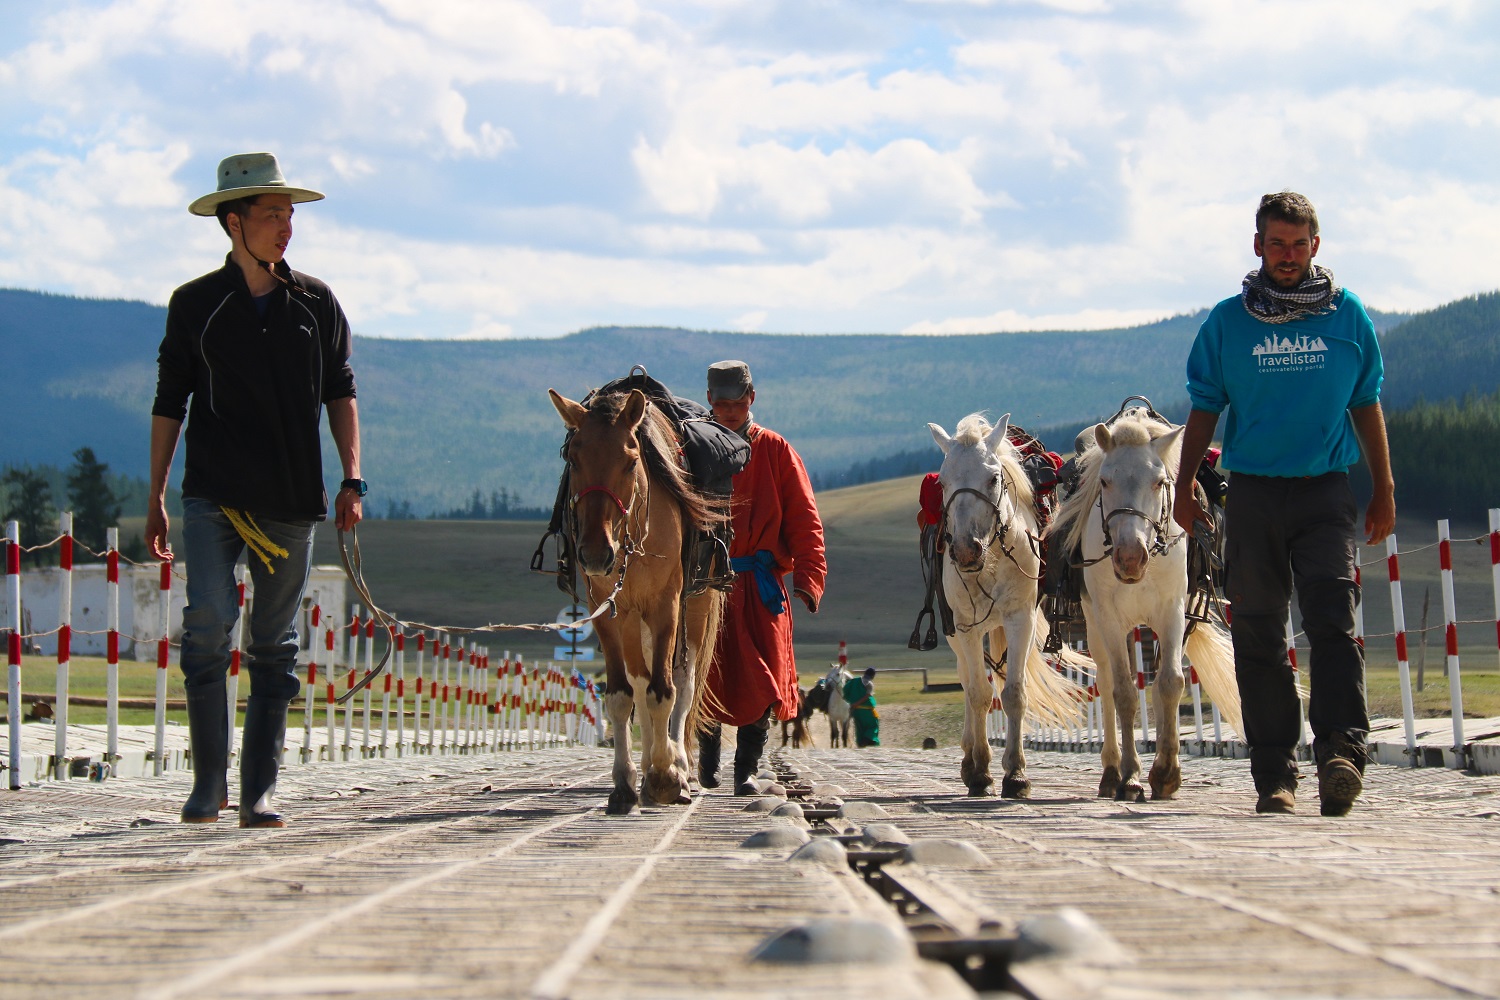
(442, 419)
(1447, 353)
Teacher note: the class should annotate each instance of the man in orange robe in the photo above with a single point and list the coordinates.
(776, 531)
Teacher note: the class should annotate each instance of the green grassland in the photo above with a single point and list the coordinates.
(473, 573)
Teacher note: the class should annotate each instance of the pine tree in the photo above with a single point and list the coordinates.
(95, 506)
(29, 503)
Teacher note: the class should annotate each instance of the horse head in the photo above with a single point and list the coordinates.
(1135, 491)
(606, 473)
(974, 487)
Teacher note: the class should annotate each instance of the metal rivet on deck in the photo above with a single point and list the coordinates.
(1067, 933)
(823, 851)
(884, 835)
(782, 836)
(940, 852)
(837, 940)
(862, 810)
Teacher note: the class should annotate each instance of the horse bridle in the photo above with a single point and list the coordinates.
(1002, 527)
(1160, 543)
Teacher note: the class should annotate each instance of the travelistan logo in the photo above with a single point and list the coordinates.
(1286, 354)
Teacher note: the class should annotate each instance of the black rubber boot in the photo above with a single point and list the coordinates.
(750, 742)
(710, 746)
(208, 737)
(260, 760)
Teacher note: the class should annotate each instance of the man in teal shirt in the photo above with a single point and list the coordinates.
(1295, 361)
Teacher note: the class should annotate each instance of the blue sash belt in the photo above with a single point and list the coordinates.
(763, 565)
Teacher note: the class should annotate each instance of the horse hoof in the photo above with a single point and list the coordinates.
(1164, 783)
(622, 802)
(1131, 791)
(1109, 784)
(981, 789)
(666, 789)
(1015, 788)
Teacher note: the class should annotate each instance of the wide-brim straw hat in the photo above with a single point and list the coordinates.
(246, 175)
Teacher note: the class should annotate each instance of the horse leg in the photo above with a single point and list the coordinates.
(1130, 789)
(618, 703)
(665, 782)
(1018, 630)
(683, 683)
(1166, 770)
(1104, 676)
(975, 769)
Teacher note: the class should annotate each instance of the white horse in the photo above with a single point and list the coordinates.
(837, 708)
(990, 580)
(1135, 559)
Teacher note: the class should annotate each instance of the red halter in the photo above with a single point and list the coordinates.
(624, 511)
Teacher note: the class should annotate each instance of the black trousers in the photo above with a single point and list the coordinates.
(1283, 534)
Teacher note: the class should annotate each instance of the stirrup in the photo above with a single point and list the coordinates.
(917, 640)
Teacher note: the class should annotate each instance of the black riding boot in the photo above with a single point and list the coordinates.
(208, 737)
(750, 741)
(260, 760)
(710, 745)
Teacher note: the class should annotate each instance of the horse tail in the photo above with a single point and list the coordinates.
(1050, 696)
(1212, 655)
(801, 735)
(701, 664)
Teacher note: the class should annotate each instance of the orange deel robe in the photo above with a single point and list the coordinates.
(754, 666)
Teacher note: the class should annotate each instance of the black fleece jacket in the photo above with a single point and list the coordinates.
(257, 386)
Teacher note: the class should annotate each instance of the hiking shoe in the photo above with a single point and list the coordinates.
(1282, 800)
(1339, 784)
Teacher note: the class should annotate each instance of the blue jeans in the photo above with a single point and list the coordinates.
(212, 549)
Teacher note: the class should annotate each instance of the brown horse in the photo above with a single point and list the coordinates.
(634, 515)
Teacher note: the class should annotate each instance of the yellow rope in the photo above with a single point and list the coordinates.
(256, 540)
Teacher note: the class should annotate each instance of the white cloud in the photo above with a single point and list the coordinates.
(520, 168)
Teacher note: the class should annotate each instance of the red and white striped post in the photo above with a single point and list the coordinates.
(330, 697)
(416, 735)
(163, 655)
(843, 654)
(385, 696)
(1403, 665)
(1450, 630)
(314, 619)
(1291, 652)
(398, 635)
(461, 700)
(447, 653)
(353, 662)
(366, 695)
(1359, 607)
(236, 654)
(112, 645)
(1495, 565)
(1140, 689)
(1197, 706)
(13, 646)
(60, 765)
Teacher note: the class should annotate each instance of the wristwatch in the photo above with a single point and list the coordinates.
(357, 485)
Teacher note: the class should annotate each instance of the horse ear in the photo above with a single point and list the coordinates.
(572, 413)
(634, 409)
(1163, 445)
(1101, 437)
(939, 435)
(997, 435)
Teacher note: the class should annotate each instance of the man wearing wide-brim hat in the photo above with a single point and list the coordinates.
(253, 353)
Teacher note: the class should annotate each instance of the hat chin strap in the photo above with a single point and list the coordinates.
(271, 270)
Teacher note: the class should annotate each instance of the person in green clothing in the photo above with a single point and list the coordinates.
(859, 692)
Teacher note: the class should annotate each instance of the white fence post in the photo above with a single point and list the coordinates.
(13, 646)
(163, 656)
(1403, 663)
(112, 646)
(60, 764)
(1450, 616)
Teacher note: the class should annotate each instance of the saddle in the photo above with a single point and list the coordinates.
(712, 455)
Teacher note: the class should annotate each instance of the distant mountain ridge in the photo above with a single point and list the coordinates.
(443, 418)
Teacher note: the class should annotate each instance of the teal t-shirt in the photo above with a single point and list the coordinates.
(1288, 387)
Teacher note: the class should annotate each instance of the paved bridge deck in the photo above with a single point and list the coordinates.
(499, 875)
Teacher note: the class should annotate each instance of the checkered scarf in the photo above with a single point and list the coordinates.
(1270, 303)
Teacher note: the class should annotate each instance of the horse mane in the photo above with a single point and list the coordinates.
(1134, 428)
(659, 444)
(971, 432)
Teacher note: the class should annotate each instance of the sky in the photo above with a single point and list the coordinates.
(525, 168)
